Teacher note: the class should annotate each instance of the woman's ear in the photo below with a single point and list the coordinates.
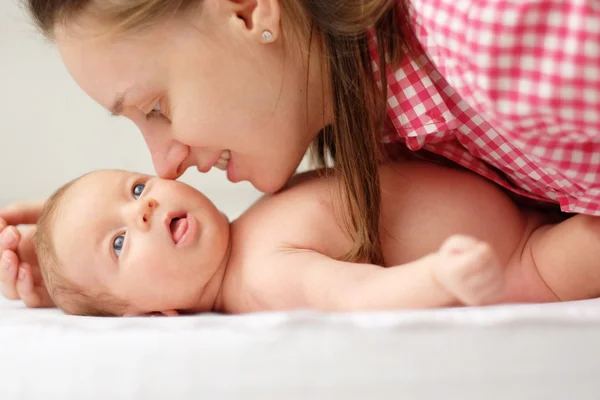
(259, 16)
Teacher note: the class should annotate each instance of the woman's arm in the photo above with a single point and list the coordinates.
(20, 276)
(530, 69)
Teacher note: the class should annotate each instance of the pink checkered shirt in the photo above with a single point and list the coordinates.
(508, 89)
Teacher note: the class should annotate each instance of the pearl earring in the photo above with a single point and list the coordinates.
(267, 36)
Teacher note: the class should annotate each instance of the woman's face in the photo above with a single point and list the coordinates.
(204, 84)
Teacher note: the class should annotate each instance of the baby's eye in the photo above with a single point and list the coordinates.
(138, 189)
(118, 244)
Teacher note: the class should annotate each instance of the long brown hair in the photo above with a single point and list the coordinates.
(359, 108)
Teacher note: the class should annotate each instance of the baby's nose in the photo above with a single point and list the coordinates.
(147, 208)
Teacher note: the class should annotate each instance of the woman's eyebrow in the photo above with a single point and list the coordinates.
(117, 108)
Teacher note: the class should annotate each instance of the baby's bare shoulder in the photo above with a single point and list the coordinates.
(302, 216)
(298, 219)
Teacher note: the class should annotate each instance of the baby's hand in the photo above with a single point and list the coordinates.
(471, 271)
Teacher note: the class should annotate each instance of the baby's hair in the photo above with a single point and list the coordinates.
(66, 295)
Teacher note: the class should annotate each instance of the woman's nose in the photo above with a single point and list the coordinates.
(168, 155)
(146, 207)
(169, 164)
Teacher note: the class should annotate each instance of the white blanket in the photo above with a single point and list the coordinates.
(525, 351)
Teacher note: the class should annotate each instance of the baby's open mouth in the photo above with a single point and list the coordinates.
(179, 227)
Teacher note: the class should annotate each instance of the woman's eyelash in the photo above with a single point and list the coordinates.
(153, 113)
(156, 111)
(160, 109)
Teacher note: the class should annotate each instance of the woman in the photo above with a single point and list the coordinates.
(510, 90)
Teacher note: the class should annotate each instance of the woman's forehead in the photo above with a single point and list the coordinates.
(105, 69)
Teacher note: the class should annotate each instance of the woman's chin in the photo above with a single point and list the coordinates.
(270, 186)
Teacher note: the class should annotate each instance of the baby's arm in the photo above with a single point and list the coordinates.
(463, 271)
(567, 257)
(268, 269)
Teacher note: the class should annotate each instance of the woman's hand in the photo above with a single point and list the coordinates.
(20, 276)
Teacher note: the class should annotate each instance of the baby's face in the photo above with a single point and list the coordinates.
(156, 244)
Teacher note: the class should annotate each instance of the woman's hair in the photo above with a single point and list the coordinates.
(339, 28)
(65, 294)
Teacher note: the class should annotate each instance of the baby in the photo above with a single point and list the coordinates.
(121, 243)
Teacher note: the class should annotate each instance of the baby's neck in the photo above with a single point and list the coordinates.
(219, 303)
(212, 295)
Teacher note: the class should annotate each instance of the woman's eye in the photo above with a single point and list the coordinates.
(138, 189)
(118, 244)
(156, 111)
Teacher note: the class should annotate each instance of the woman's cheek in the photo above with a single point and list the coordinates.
(183, 132)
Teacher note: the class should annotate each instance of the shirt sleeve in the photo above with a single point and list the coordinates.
(530, 68)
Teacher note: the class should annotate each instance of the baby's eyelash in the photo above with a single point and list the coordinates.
(115, 251)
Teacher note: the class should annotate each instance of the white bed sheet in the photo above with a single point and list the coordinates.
(519, 352)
